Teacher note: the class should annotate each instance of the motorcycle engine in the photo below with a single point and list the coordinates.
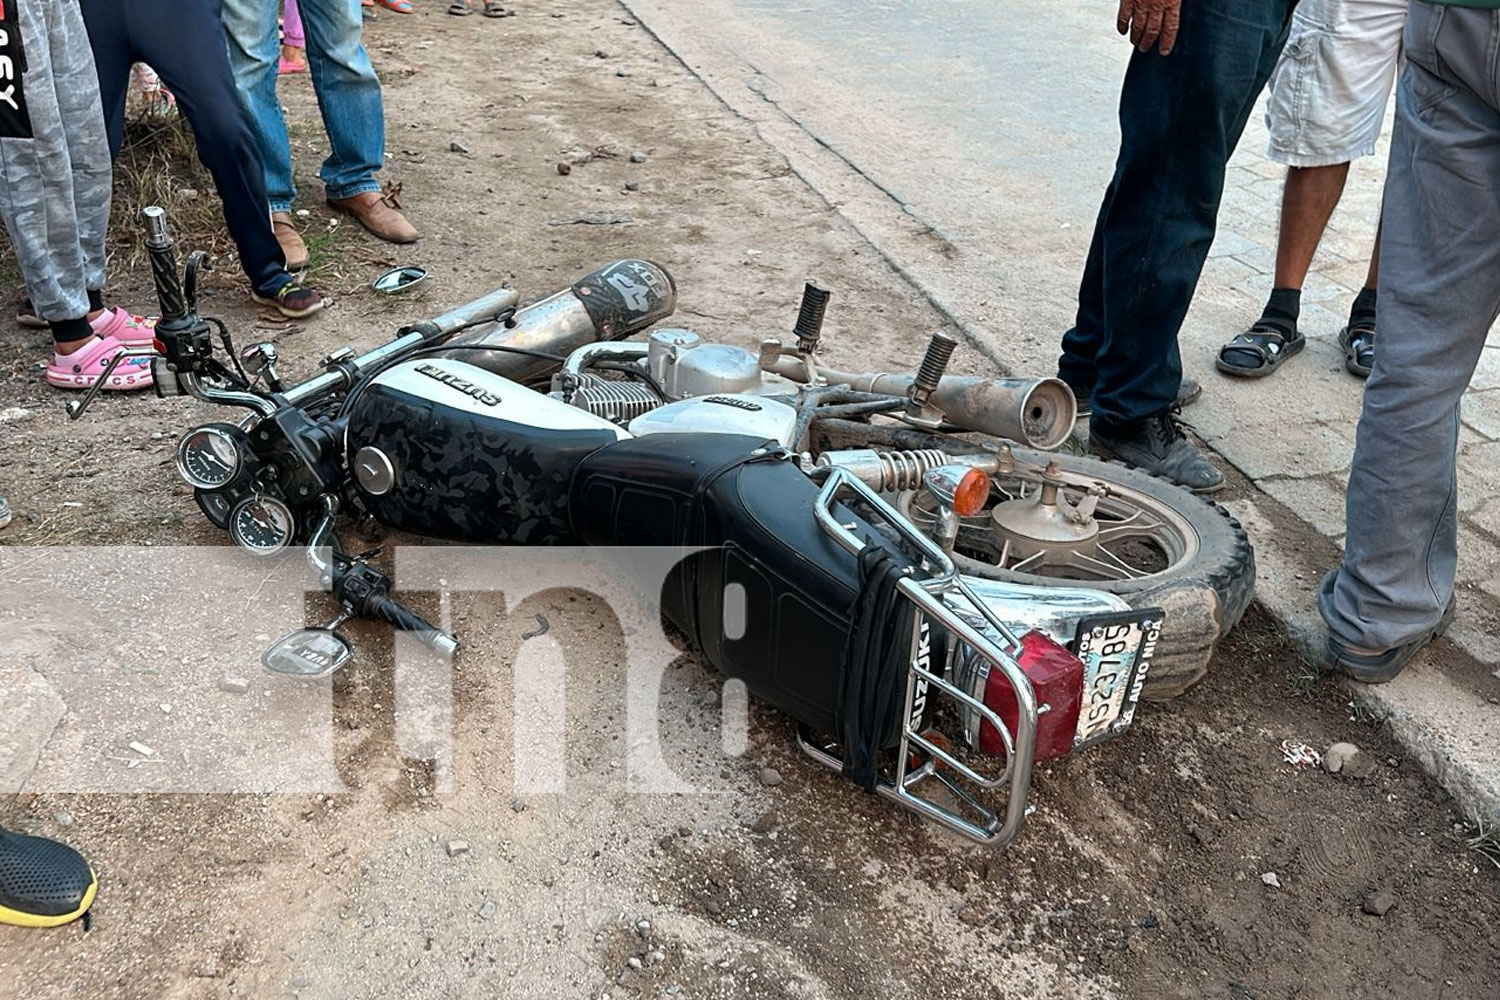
(682, 365)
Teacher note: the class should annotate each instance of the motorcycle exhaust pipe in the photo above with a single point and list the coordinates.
(609, 304)
(1036, 412)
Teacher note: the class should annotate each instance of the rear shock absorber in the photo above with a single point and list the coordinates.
(890, 471)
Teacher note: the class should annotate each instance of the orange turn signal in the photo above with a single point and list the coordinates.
(973, 490)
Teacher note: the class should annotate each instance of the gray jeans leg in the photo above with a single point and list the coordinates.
(50, 202)
(1439, 296)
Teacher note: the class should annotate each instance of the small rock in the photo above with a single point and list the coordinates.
(457, 847)
(62, 818)
(633, 962)
(188, 194)
(657, 957)
(635, 186)
(1270, 879)
(142, 749)
(565, 168)
(457, 147)
(1150, 922)
(770, 777)
(766, 823)
(234, 685)
(643, 927)
(487, 910)
(1378, 903)
(622, 71)
(600, 54)
(637, 157)
(1338, 755)
(1241, 811)
(517, 805)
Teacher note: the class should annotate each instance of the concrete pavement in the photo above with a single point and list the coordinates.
(971, 141)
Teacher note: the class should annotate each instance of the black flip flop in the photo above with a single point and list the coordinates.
(1358, 342)
(1265, 343)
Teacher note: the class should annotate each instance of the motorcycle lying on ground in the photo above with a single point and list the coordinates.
(934, 606)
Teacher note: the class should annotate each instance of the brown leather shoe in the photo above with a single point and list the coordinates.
(378, 213)
(292, 247)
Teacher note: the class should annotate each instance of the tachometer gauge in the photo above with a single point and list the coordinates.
(210, 456)
(263, 526)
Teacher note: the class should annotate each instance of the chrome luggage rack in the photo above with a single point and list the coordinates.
(921, 764)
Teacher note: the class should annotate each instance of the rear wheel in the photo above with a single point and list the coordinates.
(1064, 517)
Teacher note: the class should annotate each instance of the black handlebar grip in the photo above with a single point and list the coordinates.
(169, 295)
(384, 609)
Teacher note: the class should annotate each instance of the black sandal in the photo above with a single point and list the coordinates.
(1358, 342)
(460, 8)
(1268, 345)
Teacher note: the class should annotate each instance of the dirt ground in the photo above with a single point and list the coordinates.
(1143, 872)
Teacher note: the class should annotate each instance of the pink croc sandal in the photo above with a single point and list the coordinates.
(126, 327)
(85, 366)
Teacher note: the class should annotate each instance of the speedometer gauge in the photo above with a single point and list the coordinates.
(263, 526)
(210, 456)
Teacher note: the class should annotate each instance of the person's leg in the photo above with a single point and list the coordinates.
(112, 60)
(250, 29)
(293, 41)
(36, 194)
(1180, 118)
(1307, 202)
(186, 40)
(349, 96)
(1327, 100)
(1439, 297)
(79, 105)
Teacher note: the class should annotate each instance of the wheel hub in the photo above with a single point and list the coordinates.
(1046, 522)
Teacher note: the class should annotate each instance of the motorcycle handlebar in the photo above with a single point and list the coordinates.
(382, 608)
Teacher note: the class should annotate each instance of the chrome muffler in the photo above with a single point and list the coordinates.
(611, 303)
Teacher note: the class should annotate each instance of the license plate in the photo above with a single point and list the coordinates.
(1116, 652)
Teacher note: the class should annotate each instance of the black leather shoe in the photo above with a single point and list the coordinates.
(1188, 393)
(1158, 446)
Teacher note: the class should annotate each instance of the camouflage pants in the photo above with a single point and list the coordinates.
(55, 187)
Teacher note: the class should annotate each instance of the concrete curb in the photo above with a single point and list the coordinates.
(1445, 726)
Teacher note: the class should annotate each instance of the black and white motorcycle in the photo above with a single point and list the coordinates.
(935, 605)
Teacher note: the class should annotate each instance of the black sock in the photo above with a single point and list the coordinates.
(64, 330)
(1362, 313)
(96, 300)
(1282, 310)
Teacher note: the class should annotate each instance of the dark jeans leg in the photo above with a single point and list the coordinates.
(105, 20)
(183, 40)
(1180, 119)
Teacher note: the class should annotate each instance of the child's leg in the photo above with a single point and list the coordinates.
(88, 144)
(291, 26)
(37, 198)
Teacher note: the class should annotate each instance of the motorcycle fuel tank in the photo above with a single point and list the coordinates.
(443, 448)
(727, 413)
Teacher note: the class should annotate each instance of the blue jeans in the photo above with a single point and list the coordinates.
(1180, 118)
(348, 93)
(184, 39)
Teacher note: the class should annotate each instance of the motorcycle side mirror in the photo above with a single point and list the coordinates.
(308, 653)
(399, 279)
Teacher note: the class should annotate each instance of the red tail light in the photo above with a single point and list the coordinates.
(1057, 677)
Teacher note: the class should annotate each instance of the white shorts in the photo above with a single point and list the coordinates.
(1329, 92)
